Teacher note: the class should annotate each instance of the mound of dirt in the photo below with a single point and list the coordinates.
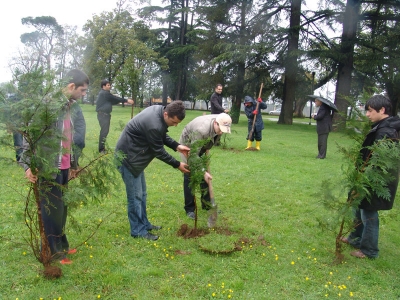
(52, 272)
(189, 233)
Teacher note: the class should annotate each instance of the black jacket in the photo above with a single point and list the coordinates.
(105, 101)
(143, 139)
(324, 119)
(216, 104)
(388, 128)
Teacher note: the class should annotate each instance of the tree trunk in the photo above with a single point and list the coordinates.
(45, 253)
(241, 69)
(350, 25)
(291, 67)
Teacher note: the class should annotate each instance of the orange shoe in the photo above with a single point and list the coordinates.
(72, 251)
(66, 261)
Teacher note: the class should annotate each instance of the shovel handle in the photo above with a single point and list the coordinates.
(210, 189)
(255, 116)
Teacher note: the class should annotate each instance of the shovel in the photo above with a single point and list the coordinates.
(255, 116)
(213, 211)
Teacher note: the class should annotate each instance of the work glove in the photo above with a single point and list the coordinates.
(259, 99)
(255, 112)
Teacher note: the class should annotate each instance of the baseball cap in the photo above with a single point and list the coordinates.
(224, 121)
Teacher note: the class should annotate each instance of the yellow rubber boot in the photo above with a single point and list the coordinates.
(258, 145)
(249, 144)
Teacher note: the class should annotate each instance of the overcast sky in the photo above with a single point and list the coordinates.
(69, 12)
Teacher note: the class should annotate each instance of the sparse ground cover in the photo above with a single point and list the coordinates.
(269, 220)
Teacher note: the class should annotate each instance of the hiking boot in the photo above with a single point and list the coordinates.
(191, 215)
(154, 227)
(147, 236)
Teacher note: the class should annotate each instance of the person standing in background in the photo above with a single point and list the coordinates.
(105, 101)
(324, 126)
(252, 111)
(216, 101)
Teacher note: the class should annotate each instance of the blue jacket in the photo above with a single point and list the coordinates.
(259, 124)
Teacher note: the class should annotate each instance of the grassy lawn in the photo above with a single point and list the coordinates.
(269, 205)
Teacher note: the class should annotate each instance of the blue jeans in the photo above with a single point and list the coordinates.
(366, 232)
(136, 194)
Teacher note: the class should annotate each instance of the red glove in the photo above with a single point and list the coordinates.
(255, 112)
(259, 100)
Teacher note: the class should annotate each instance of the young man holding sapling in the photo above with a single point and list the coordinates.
(366, 232)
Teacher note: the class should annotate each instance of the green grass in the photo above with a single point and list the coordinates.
(267, 198)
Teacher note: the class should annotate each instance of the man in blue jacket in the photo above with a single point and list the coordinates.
(142, 140)
(105, 101)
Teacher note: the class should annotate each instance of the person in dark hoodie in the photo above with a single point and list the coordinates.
(365, 235)
(251, 111)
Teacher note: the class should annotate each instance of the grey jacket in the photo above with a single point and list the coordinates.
(200, 128)
(76, 118)
(143, 139)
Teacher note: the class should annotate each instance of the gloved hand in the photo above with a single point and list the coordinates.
(259, 99)
(255, 112)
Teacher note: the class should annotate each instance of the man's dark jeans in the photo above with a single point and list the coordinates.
(366, 232)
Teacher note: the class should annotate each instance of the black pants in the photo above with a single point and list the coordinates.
(322, 144)
(17, 144)
(54, 213)
(104, 122)
(189, 198)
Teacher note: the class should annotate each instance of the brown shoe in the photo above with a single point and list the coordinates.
(358, 254)
(344, 239)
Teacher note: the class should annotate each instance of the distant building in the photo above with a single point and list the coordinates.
(158, 101)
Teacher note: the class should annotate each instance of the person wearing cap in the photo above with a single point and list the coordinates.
(324, 126)
(202, 128)
(253, 111)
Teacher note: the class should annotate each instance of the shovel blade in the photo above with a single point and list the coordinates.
(213, 216)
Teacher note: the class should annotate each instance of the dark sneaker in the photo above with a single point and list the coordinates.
(154, 227)
(147, 236)
(191, 215)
